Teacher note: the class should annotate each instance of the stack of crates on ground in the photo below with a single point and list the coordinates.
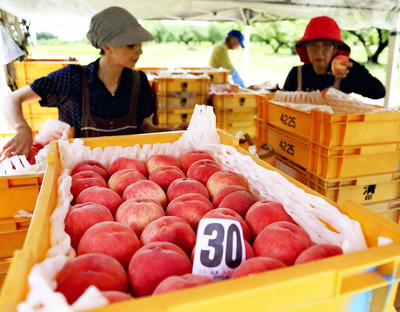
(234, 108)
(26, 72)
(176, 95)
(342, 148)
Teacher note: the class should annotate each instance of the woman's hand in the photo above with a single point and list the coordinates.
(19, 144)
(340, 66)
(183, 126)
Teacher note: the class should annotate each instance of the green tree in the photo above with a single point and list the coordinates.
(45, 35)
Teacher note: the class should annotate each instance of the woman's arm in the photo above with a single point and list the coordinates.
(21, 142)
(148, 127)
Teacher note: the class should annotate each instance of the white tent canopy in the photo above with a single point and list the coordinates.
(350, 14)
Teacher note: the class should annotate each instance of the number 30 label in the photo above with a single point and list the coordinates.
(219, 248)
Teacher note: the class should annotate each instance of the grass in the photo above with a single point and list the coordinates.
(263, 64)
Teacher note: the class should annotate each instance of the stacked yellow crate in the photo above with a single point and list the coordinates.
(28, 71)
(176, 95)
(352, 153)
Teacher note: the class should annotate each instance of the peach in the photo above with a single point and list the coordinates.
(249, 250)
(122, 163)
(191, 157)
(100, 195)
(137, 214)
(146, 189)
(220, 195)
(316, 252)
(281, 240)
(99, 270)
(121, 179)
(86, 174)
(225, 213)
(262, 214)
(239, 201)
(257, 265)
(202, 170)
(153, 263)
(192, 196)
(160, 160)
(116, 296)
(191, 211)
(90, 165)
(164, 176)
(221, 179)
(170, 229)
(81, 217)
(184, 186)
(78, 185)
(185, 281)
(110, 238)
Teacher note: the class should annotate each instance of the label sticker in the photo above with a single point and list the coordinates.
(219, 249)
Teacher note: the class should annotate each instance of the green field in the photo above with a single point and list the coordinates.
(263, 64)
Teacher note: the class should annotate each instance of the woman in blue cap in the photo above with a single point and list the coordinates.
(220, 57)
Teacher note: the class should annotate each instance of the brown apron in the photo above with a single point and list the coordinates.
(335, 85)
(92, 126)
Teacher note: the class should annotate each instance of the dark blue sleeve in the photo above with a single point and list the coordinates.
(58, 86)
(291, 80)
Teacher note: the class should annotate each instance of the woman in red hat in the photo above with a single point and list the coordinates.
(326, 63)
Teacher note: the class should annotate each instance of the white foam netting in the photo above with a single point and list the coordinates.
(301, 100)
(309, 211)
(51, 129)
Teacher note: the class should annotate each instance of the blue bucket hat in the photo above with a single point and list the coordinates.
(238, 35)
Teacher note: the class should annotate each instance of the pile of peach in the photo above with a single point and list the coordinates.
(134, 226)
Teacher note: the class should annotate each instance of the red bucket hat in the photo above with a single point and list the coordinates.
(321, 28)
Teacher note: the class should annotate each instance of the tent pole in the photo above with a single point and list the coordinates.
(394, 39)
(246, 53)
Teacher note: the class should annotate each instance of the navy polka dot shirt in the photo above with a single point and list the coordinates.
(63, 89)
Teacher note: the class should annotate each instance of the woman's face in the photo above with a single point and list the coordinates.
(320, 54)
(127, 56)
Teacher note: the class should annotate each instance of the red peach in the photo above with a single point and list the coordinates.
(220, 195)
(99, 270)
(137, 214)
(116, 296)
(164, 176)
(110, 238)
(81, 217)
(184, 186)
(257, 265)
(160, 160)
(221, 179)
(262, 214)
(154, 262)
(225, 213)
(127, 163)
(100, 195)
(249, 250)
(191, 157)
(170, 229)
(146, 189)
(78, 185)
(316, 252)
(202, 170)
(90, 165)
(239, 201)
(192, 196)
(191, 211)
(174, 283)
(86, 174)
(121, 179)
(281, 240)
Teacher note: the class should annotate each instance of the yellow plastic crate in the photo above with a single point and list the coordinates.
(173, 117)
(363, 189)
(188, 85)
(337, 163)
(36, 115)
(367, 278)
(283, 144)
(234, 127)
(31, 69)
(217, 76)
(332, 130)
(389, 209)
(174, 101)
